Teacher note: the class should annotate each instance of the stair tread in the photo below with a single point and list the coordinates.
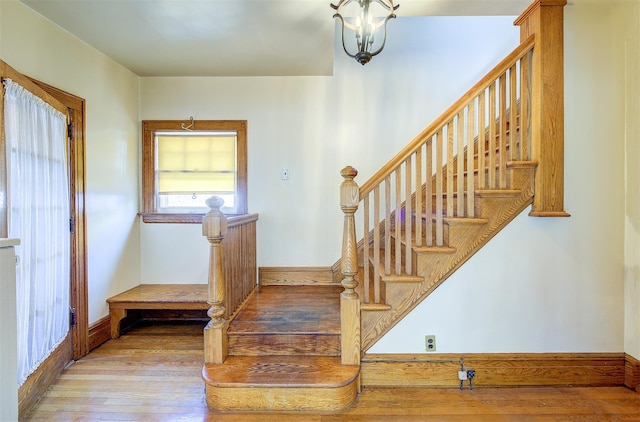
(507, 193)
(455, 220)
(466, 220)
(435, 249)
(401, 278)
(280, 371)
(522, 164)
(375, 307)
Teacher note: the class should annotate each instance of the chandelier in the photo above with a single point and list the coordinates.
(367, 19)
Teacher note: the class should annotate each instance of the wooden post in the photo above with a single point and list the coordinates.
(544, 18)
(214, 227)
(349, 300)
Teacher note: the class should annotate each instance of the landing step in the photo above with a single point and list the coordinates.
(285, 320)
(280, 383)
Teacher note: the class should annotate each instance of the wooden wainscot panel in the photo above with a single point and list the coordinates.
(495, 369)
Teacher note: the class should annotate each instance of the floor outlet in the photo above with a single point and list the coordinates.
(430, 343)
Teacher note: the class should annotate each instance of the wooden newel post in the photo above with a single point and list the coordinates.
(544, 18)
(349, 300)
(214, 227)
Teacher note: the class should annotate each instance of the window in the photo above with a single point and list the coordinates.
(182, 168)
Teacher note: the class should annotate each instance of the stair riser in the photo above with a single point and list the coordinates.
(284, 344)
(280, 383)
(360, 288)
(403, 249)
(486, 185)
(267, 399)
(403, 254)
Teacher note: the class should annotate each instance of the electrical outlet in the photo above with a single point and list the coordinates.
(430, 343)
(284, 174)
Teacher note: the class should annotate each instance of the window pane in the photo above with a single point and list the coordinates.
(196, 163)
(181, 169)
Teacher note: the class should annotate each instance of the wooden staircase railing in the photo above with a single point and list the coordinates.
(232, 272)
(465, 149)
(511, 119)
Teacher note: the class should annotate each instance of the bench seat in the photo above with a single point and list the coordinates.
(156, 296)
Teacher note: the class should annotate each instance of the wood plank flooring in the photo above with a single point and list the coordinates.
(153, 373)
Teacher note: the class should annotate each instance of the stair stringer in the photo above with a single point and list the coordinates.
(464, 239)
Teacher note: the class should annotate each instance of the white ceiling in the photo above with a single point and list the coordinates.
(228, 37)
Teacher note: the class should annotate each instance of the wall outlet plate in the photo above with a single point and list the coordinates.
(430, 343)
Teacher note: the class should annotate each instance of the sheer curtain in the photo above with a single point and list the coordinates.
(38, 214)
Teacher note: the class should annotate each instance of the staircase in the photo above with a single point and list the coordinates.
(424, 214)
(390, 292)
(284, 354)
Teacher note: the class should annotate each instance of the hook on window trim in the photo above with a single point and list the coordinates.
(190, 126)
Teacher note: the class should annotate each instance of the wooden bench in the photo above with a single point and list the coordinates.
(157, 297)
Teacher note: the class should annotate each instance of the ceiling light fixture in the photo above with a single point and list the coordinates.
(368, 21)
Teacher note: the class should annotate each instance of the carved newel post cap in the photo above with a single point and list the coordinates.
(214, 224)
(348, 172)
(349, 190)
(215, 203)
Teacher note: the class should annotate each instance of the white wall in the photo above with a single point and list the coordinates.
(35, 47)
(314, 126)
(628, 50)
(560, 289)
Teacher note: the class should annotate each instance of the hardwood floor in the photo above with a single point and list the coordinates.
(152, 373)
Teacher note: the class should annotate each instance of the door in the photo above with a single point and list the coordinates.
(73, 262)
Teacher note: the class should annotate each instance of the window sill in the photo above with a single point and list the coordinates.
(167, 218)
(156, 217)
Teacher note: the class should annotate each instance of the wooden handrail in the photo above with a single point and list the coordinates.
(448, 115)
(238, 220)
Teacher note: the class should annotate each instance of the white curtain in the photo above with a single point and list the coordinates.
(38, 214)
